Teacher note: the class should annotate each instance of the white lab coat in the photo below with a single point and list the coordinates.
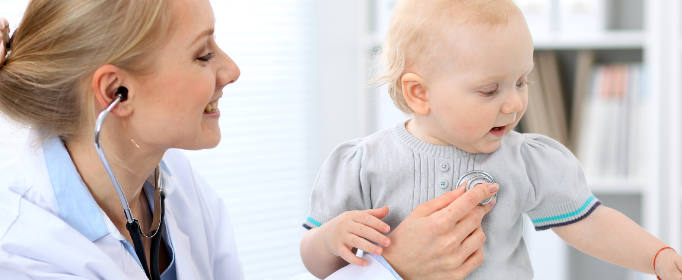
(376, 269)
(51, 227)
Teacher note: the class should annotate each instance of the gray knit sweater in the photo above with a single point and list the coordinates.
(536, 174)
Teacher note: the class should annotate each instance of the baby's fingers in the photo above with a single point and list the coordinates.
(346, 254)
(367, 218)
(355, 241)
(379, 213)
(362, 231)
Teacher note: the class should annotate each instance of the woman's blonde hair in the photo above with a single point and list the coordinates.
(59, 45)
(417, 26)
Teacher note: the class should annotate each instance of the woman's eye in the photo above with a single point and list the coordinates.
(207, 57)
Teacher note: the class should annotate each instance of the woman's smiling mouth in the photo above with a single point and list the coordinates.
(211, 107)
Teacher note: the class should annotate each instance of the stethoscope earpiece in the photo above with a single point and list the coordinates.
(123, 93)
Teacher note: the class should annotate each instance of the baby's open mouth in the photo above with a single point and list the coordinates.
(211, 107)
(498, 131)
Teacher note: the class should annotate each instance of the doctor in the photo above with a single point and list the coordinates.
(60, 217)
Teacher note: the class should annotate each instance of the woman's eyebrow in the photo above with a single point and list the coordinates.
(207, 32)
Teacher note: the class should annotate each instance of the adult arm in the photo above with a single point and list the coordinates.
(440, 239)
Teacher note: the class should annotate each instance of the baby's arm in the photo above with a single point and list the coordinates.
(611, 236)
(327, 249)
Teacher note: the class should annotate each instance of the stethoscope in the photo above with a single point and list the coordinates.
(475, 178)
(132, 224)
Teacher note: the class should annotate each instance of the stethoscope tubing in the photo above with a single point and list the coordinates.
(132, 224)
(100, 152)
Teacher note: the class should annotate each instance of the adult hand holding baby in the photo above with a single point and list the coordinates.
(442, 238)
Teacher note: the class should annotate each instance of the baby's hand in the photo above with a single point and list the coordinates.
(347, 231)
(669, 265)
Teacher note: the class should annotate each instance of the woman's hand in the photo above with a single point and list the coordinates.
(669, 265)
(4, 38)
(442, 238)
(347, 231)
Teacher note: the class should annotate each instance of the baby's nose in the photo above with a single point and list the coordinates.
(513, 104)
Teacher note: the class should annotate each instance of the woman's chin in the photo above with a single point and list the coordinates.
(212, 140)
(208, 140)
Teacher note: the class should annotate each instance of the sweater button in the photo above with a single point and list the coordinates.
(443, 184)
(444, 167)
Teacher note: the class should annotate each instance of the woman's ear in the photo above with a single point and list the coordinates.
(106, 81)
(414, 93)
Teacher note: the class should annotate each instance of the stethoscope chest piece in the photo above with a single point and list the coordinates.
(475, 178)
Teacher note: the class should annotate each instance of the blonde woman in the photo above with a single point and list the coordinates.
(60, 217)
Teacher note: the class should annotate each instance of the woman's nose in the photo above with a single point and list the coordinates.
(513, 104)
(229, 71)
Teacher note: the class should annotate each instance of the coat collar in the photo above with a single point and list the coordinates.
(77, 207)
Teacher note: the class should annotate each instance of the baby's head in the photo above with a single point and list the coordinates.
(460, 67)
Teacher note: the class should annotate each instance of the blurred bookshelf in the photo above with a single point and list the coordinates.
(584, 42)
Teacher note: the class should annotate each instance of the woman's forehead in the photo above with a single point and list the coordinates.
(193, 18)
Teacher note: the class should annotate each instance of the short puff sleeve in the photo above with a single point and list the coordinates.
(559, 195)
(339, 186)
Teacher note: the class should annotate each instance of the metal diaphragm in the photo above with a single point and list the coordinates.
(475, 178)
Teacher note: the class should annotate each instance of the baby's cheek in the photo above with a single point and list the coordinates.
(470, 129)
(476, 122)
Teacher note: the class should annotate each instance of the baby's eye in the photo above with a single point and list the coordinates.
(521, 84)
(489, 93)
(489, 90)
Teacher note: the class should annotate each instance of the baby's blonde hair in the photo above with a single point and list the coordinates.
(60, 44)
(418, 24)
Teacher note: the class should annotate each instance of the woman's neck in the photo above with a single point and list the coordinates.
(131, 165)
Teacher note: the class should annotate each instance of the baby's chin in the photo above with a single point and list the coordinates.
(485, 148)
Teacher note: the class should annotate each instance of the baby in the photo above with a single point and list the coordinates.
(460, 67)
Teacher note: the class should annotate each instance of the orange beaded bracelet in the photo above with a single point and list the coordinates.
(656, 256)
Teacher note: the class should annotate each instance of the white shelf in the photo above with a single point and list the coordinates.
(617, 185)
(608, 40)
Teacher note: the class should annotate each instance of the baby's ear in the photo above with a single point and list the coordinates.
(415, 93)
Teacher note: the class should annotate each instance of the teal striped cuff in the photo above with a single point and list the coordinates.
(310, 223)
(565, 214)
